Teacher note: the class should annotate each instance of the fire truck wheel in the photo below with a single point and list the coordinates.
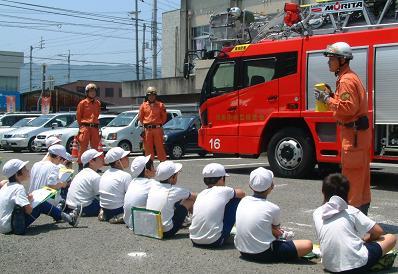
(291, 153)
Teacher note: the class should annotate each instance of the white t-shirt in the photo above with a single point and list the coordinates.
(83, 188)
(254, 220)
(208, 214)
(113, 185)
(43, 173)
(340, 237)
(136, 196)
(162, 197)
(10, 195)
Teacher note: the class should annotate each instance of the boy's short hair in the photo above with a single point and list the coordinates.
(148, 166)
(86, 165)
(13, 178)
(52, 155)
(335, 184)
(211, 180)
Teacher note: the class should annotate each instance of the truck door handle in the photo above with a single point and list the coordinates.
(272, 98)
(232, 108)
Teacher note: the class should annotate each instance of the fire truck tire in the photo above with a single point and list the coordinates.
(291, 153)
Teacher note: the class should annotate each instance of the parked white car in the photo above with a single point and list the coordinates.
(22, 138)
(21, 123)
(67, 134)
(10, 118)
(124, 131)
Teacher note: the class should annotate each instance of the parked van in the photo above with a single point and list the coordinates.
(124, 131)
(22, 138)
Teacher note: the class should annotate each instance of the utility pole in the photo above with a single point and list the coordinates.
(43, 85)
(31, 62)
(154, 39)
(137, 65)
(69, 66)
(143, 52)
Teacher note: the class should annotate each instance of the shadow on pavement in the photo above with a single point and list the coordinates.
(38, 229)
(294, 262)
(384, 180)
(393, 229)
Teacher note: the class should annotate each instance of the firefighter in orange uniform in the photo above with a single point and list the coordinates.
(87, 114)
(350, 108)
(152, 116)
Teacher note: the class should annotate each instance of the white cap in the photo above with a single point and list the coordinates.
(88, 155)
(12, 166)
(138, 165)
(69, 157)
(115, 154)
(58, 150)
(52, 140)
(167, 169)
(261, 179)
(214, 170)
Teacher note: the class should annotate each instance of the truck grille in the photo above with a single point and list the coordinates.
(41, 137)
(7, 135)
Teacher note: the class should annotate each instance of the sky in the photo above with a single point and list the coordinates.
(96, 37)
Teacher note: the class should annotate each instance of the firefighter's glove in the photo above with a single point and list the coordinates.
(321, 95)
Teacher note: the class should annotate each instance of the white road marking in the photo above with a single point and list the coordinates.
(298, 224)
(138, 254)
(250, 164)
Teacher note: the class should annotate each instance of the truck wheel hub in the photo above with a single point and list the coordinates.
(289, 153)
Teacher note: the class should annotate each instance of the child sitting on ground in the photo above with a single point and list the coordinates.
(16, 212)
(137, 194)
(173, 202)
(113, 186)
(350, 242)
(258, 225)
(84, 188)
(214, 210)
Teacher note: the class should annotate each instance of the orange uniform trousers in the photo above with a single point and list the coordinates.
(355, 165)
(153, 137)
(87, 136)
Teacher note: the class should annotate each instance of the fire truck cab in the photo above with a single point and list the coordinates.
(259, 98)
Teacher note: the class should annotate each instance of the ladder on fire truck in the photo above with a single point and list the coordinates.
(234, 26)
(237, 27)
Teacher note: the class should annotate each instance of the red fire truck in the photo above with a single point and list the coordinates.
(258, 97)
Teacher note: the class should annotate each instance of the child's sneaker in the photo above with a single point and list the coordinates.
(118, 219)
(187, 222)
(75, 215)
(287, 235)
(101, 216)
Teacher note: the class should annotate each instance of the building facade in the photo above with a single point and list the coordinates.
(66, 97)
(10, 71)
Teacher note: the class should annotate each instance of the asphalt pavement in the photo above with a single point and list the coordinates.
(102, 247)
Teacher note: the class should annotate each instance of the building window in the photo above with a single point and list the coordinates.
(200, 38)
(98, 91)
(120, 93)
(108, 92)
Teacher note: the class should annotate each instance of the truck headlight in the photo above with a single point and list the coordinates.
(112, 136)
(20, 136)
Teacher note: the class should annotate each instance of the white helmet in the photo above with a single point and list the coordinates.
(91, 86)
(235, 12)
(339, 49)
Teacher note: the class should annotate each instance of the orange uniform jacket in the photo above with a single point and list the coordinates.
(152, 114)
(349, 103)
(88, 111)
